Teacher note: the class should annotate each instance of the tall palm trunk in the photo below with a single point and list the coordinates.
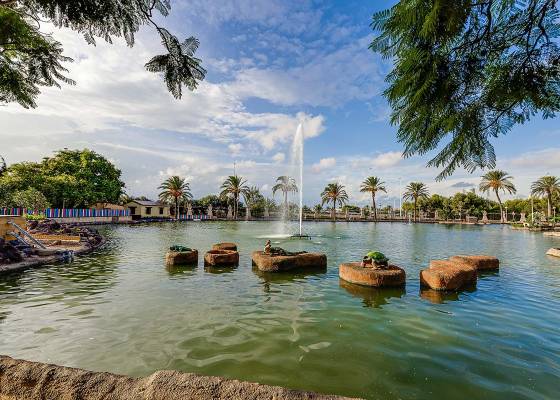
(285, 204)
(374, 206)
(176, 208)
(500, 203)
(334, 209)
(235, 206)
(415, 207)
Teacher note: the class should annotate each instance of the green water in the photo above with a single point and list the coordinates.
(120, 310)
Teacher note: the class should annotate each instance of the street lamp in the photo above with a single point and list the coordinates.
(400, 199)
(532, 212)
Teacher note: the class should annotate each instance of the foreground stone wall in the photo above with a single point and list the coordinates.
(25, 380)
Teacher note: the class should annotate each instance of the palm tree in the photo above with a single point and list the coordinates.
(548, 186)
(175, 189)
(251, 196)
(286, 185)
(335, 193)
(373, 185)
(415, 191)
(234, 186)
(497, 180)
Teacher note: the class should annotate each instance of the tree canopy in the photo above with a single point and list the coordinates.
(466, 71)
(30, 58)
(71, 178)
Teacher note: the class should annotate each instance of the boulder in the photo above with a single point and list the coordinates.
(554, 251)
(479, 262)
(448, 275)
(221, 258)
(173, 258)
(8, 252)
(47, 252)
(225, 246)
(292, 261)
(389, 276)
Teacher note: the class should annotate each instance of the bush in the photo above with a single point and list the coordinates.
(34, 217)
(30, 198)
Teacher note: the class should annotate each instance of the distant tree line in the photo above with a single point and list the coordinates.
(69, 179)
(81, 178)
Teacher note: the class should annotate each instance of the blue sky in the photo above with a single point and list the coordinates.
(271, 64)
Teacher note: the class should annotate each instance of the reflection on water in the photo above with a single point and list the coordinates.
(121, 310)
(441, 296)
(181, 271)
(222, 269)
(372, 297)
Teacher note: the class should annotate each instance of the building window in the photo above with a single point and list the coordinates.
(161, 211)
(148, 210)
(132, 210)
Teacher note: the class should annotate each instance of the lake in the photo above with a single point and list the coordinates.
(121, 310)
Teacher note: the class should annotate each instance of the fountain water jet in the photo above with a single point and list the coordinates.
(297, 159)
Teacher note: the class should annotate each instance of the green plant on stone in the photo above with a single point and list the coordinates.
(377, 257)
(180, 248)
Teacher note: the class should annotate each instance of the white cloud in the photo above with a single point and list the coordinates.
(279, 157)
(324, 81)
(541, 159)
(118, 93)
(385, 160)
(323, 164)
(235, 148)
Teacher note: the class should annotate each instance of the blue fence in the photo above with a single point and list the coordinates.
(66, 212)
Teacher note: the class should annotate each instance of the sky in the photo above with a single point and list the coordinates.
(272, 64)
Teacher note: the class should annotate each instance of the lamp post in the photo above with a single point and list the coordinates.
(400, 199)
(532, 212)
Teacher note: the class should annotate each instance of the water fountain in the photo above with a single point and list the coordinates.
(295, 169)
(297, 161)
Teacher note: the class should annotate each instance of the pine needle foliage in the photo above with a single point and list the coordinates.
(31, 59)
(466, 71)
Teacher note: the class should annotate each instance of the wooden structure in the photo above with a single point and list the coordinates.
(5, 227)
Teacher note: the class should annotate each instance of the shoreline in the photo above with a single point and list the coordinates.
(38, 261)
(28, 380)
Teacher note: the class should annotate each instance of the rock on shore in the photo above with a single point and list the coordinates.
(25, 380)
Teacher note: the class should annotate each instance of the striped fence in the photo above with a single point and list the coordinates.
(185, 217)
(67, 212)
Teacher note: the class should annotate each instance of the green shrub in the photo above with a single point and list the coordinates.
(377, 256)
(34, 217)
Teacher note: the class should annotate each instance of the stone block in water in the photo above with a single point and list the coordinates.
(173, 258)
(448, 275)
(389, 276)
(298, 261)
(225, 246)
(479, 262)
(221, 258)
(554, 251)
